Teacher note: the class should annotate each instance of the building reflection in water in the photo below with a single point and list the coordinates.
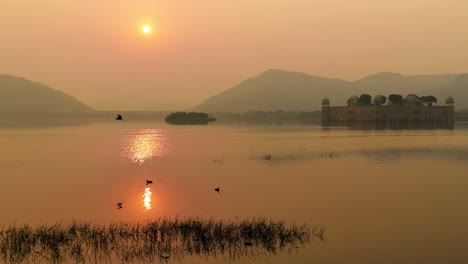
(145, 144)
(147, 198)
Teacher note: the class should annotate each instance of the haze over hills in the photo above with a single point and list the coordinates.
(387, 82)
(18, 95)
(284, 90)
(270, 91)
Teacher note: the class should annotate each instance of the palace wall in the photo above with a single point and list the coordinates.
(389, 115)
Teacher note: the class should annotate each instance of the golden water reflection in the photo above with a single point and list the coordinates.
(145, 144)
(147, 198)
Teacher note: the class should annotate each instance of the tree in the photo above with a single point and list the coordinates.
(365, 99)
(380, 100)
(431, 99)
(353, 100)
(190, 118)
(395, 99)
(384, 99)
(428, 100)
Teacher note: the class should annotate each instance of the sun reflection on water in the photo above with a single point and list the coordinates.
(147, 198)
(145, 144)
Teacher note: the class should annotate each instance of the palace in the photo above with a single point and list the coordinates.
(409, 112)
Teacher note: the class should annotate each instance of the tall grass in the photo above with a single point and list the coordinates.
(151, 241)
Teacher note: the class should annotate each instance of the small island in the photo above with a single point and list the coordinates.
(189, 118)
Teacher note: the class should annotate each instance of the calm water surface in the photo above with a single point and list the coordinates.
(386, 196)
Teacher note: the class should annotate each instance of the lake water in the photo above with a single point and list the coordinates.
(384, 196)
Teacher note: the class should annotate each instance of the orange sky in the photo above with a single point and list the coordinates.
(94, 50)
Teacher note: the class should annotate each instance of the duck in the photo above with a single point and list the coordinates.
(119, 117)
(217, 189)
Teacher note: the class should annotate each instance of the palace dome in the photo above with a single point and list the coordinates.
(449, 100)
(412, 100)
(325, 101)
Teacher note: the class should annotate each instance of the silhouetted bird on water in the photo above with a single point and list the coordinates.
(119, 117)
(148, 181)
(217, 189)
(165, 255)
(119, 205)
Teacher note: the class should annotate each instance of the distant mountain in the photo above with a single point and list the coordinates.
(387, 82)
(23, 96)
(457, 88)
(285, 90)
(275, 90)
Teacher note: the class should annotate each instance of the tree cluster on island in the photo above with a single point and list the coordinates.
(189, 118)
(393, 99)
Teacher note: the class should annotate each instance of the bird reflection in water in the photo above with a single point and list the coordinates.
(144, 144)
(147, 198)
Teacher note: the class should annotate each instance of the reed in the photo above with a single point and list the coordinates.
(150, 241)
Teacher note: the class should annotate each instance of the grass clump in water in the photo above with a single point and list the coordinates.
(160, 239)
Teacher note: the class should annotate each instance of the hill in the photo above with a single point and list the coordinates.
(458, 89)
(284, 90)
(386, 83)
(275, 90)
(19, 95)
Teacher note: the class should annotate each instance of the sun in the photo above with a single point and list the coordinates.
(146, 29)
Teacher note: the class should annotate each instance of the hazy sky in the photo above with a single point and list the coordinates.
(95, 51)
